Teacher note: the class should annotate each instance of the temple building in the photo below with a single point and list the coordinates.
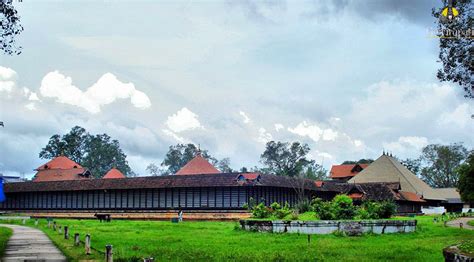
(346, 171)
(59, 169)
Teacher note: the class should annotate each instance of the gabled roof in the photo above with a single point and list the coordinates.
(114, 173)
(388, 169)
(60, 162)
(198, 165)
(344, 171)
(61, 174)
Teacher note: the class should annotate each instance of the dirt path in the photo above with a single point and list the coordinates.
(28, 243)
(463, 220)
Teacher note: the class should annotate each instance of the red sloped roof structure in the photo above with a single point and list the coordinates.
(198, 165)
(114, 173)
(345, 171)
(60, 162)
(61, 174)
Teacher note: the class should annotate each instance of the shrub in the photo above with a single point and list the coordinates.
(326, 211)
(282, 212)
(343, 207)
(387, 209)
(295, 215)
(261, 211)
(316, 204)
(303, 206)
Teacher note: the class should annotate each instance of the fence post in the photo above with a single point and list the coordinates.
(461, 225)
(54, 225)
(49, 224)
(66, 232)
(24, 221)
(88, 244)
(76, 239)
(109, 255)
(36, 222)
(309, 239)
(59, 230)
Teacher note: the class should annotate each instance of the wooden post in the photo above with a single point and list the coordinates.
(309, 239)
(24, 221)
(88, 244)
(109, 255)
(461, 225)
(76, 239)
(445, 223)
(59, 229)
(49, 224)
(66, 232)
(54, 225)
(36, 222)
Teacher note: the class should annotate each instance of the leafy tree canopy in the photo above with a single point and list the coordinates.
(10, 27)
(285, 159)
(180, 154)
(440, 163)
(99, 153)
(455, 53)
(466, 180)
(361, 161)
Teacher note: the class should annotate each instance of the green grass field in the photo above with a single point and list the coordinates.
(210, 241)
(471, 223)
(5, 234)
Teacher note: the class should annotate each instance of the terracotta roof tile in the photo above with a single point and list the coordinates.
(114, 173)
(198, 165)
(61, 174)
(342, 171)
(60, 162)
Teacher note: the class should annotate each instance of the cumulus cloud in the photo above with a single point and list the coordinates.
(314, 132)
(7, 79)
(279, 127)
(105, 91)
(183, 120)
(263, 136)
(245, 119)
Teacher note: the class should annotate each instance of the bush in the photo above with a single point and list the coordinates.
(343, 207)
(387, 209)
(326, 211)
(261, 211)
(295, 215)
(303, 206)
(316, 204)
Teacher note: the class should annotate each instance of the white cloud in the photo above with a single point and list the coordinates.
(7, 79)
(170, 133)
(279, 127)
(263, 136)
(31, 106)
(183, 120)
(460, 116)
(329, 135)
(105, 91)
(246, 119)
(406, 144)
(305, 129)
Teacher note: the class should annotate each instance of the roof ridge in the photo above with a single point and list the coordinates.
(399, 171)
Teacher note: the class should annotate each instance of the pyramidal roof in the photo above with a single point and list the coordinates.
(114, 173)
(60, 162)
(388, 169)
(198, 165)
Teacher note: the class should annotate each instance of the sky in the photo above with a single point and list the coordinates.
(349, 78)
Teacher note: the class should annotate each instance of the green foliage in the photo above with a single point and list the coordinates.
(303, 206)
(327, 211)
(285, 159)
(295, 215)
(343, 207)
(466, 180)
(180, 154)
(10, 28)
(99, 153)
(440, 164)
(376, 210)
(387, 209)
(281, 212)
(261, 211)
(361, 161)
(5, 234)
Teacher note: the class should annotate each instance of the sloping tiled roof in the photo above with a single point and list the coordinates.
(61, 174)
(450, 194)
(198, 165)
(204, 180)
(410, 196)
(343, 171)
(388, 169)
(114, 173)
(60, 162)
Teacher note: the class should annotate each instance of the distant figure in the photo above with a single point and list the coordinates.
(103, 217)
(180, 215)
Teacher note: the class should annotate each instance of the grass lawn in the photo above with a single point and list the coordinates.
(209, 241)
(471, 223)
(5, 234)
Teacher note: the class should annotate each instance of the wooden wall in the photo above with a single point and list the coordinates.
(148, 199)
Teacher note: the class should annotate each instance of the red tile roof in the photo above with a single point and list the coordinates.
(318, 183)
(250, 176)
(344, 171)
(356, 195)
(410, 196)
(198, 165)
(60, 162)
(61, 174)
(114, 173)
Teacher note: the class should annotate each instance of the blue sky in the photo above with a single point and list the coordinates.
(350, 78)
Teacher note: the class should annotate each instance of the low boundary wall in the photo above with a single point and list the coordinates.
(329, 226)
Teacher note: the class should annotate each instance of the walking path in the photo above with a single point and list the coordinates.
(463, 220)
(28, 243)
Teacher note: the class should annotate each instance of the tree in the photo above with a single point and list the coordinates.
(285, 159)
(414, 165)
(466, 180)
(315, 171)
(155, 170)
(455, 53)
(361, 161)
(440, 163)
(102, 153)
(180, 154)
(10, 27)
(98, 153)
